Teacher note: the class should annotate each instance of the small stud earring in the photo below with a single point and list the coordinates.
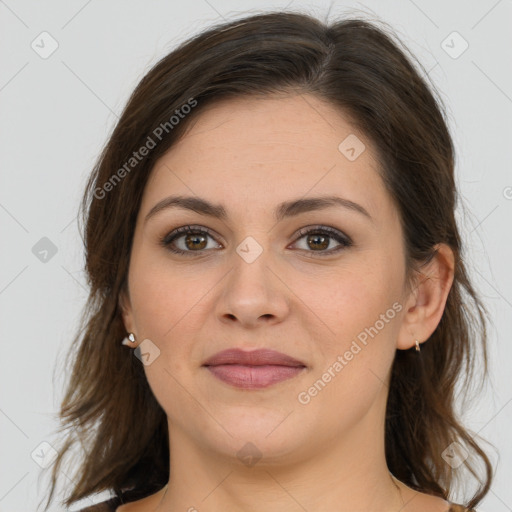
(417, 346)
(129, 339)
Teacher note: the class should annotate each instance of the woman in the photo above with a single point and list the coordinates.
(279, 308)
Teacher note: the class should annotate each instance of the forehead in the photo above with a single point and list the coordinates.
(265, 150)
(303, 122)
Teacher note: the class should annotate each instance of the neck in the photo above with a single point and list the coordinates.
(347, 476)
(169, 503)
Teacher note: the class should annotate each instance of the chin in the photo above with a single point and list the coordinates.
(259, 437)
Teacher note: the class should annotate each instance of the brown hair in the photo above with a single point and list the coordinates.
(358, 67)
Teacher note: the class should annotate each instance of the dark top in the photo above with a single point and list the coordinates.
(105, 506)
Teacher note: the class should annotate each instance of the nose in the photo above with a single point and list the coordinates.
(254, 292)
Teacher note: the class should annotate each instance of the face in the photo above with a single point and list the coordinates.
(324, 286)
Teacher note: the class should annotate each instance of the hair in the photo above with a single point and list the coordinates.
(363, 70)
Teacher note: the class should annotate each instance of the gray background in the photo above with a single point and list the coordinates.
(58, 111)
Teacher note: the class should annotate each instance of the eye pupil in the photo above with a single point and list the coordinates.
(193, 238)
(315, 244)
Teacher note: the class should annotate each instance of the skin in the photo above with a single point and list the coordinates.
(250, 154)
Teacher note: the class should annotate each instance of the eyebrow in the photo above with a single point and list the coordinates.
(282, 211)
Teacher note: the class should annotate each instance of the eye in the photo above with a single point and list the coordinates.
(319, 237)
(195, 239)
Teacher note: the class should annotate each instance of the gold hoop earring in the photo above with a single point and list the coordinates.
(417, 346)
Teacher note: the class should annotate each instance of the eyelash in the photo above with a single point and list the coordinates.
(344, 240)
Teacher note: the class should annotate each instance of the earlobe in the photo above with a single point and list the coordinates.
(426, 302)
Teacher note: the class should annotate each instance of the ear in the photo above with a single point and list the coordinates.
(426, 301)
(126, 310)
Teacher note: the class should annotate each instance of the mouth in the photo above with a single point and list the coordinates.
(253, 370)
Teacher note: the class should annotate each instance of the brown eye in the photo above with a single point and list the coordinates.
(318, 241)
(192, 240)
(188, 240)
(196, 241)
(319, 238)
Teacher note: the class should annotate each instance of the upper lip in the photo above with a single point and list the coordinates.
(257, 357)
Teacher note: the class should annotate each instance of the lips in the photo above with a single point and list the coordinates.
(258, 357)
(255, 369)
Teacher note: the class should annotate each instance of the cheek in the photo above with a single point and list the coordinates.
(365, 314)
(165, 305)
(160, 296)
(352, 300)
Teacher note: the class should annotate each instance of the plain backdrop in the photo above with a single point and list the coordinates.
(57, 110)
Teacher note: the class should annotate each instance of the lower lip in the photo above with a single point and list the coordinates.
(254, 377)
